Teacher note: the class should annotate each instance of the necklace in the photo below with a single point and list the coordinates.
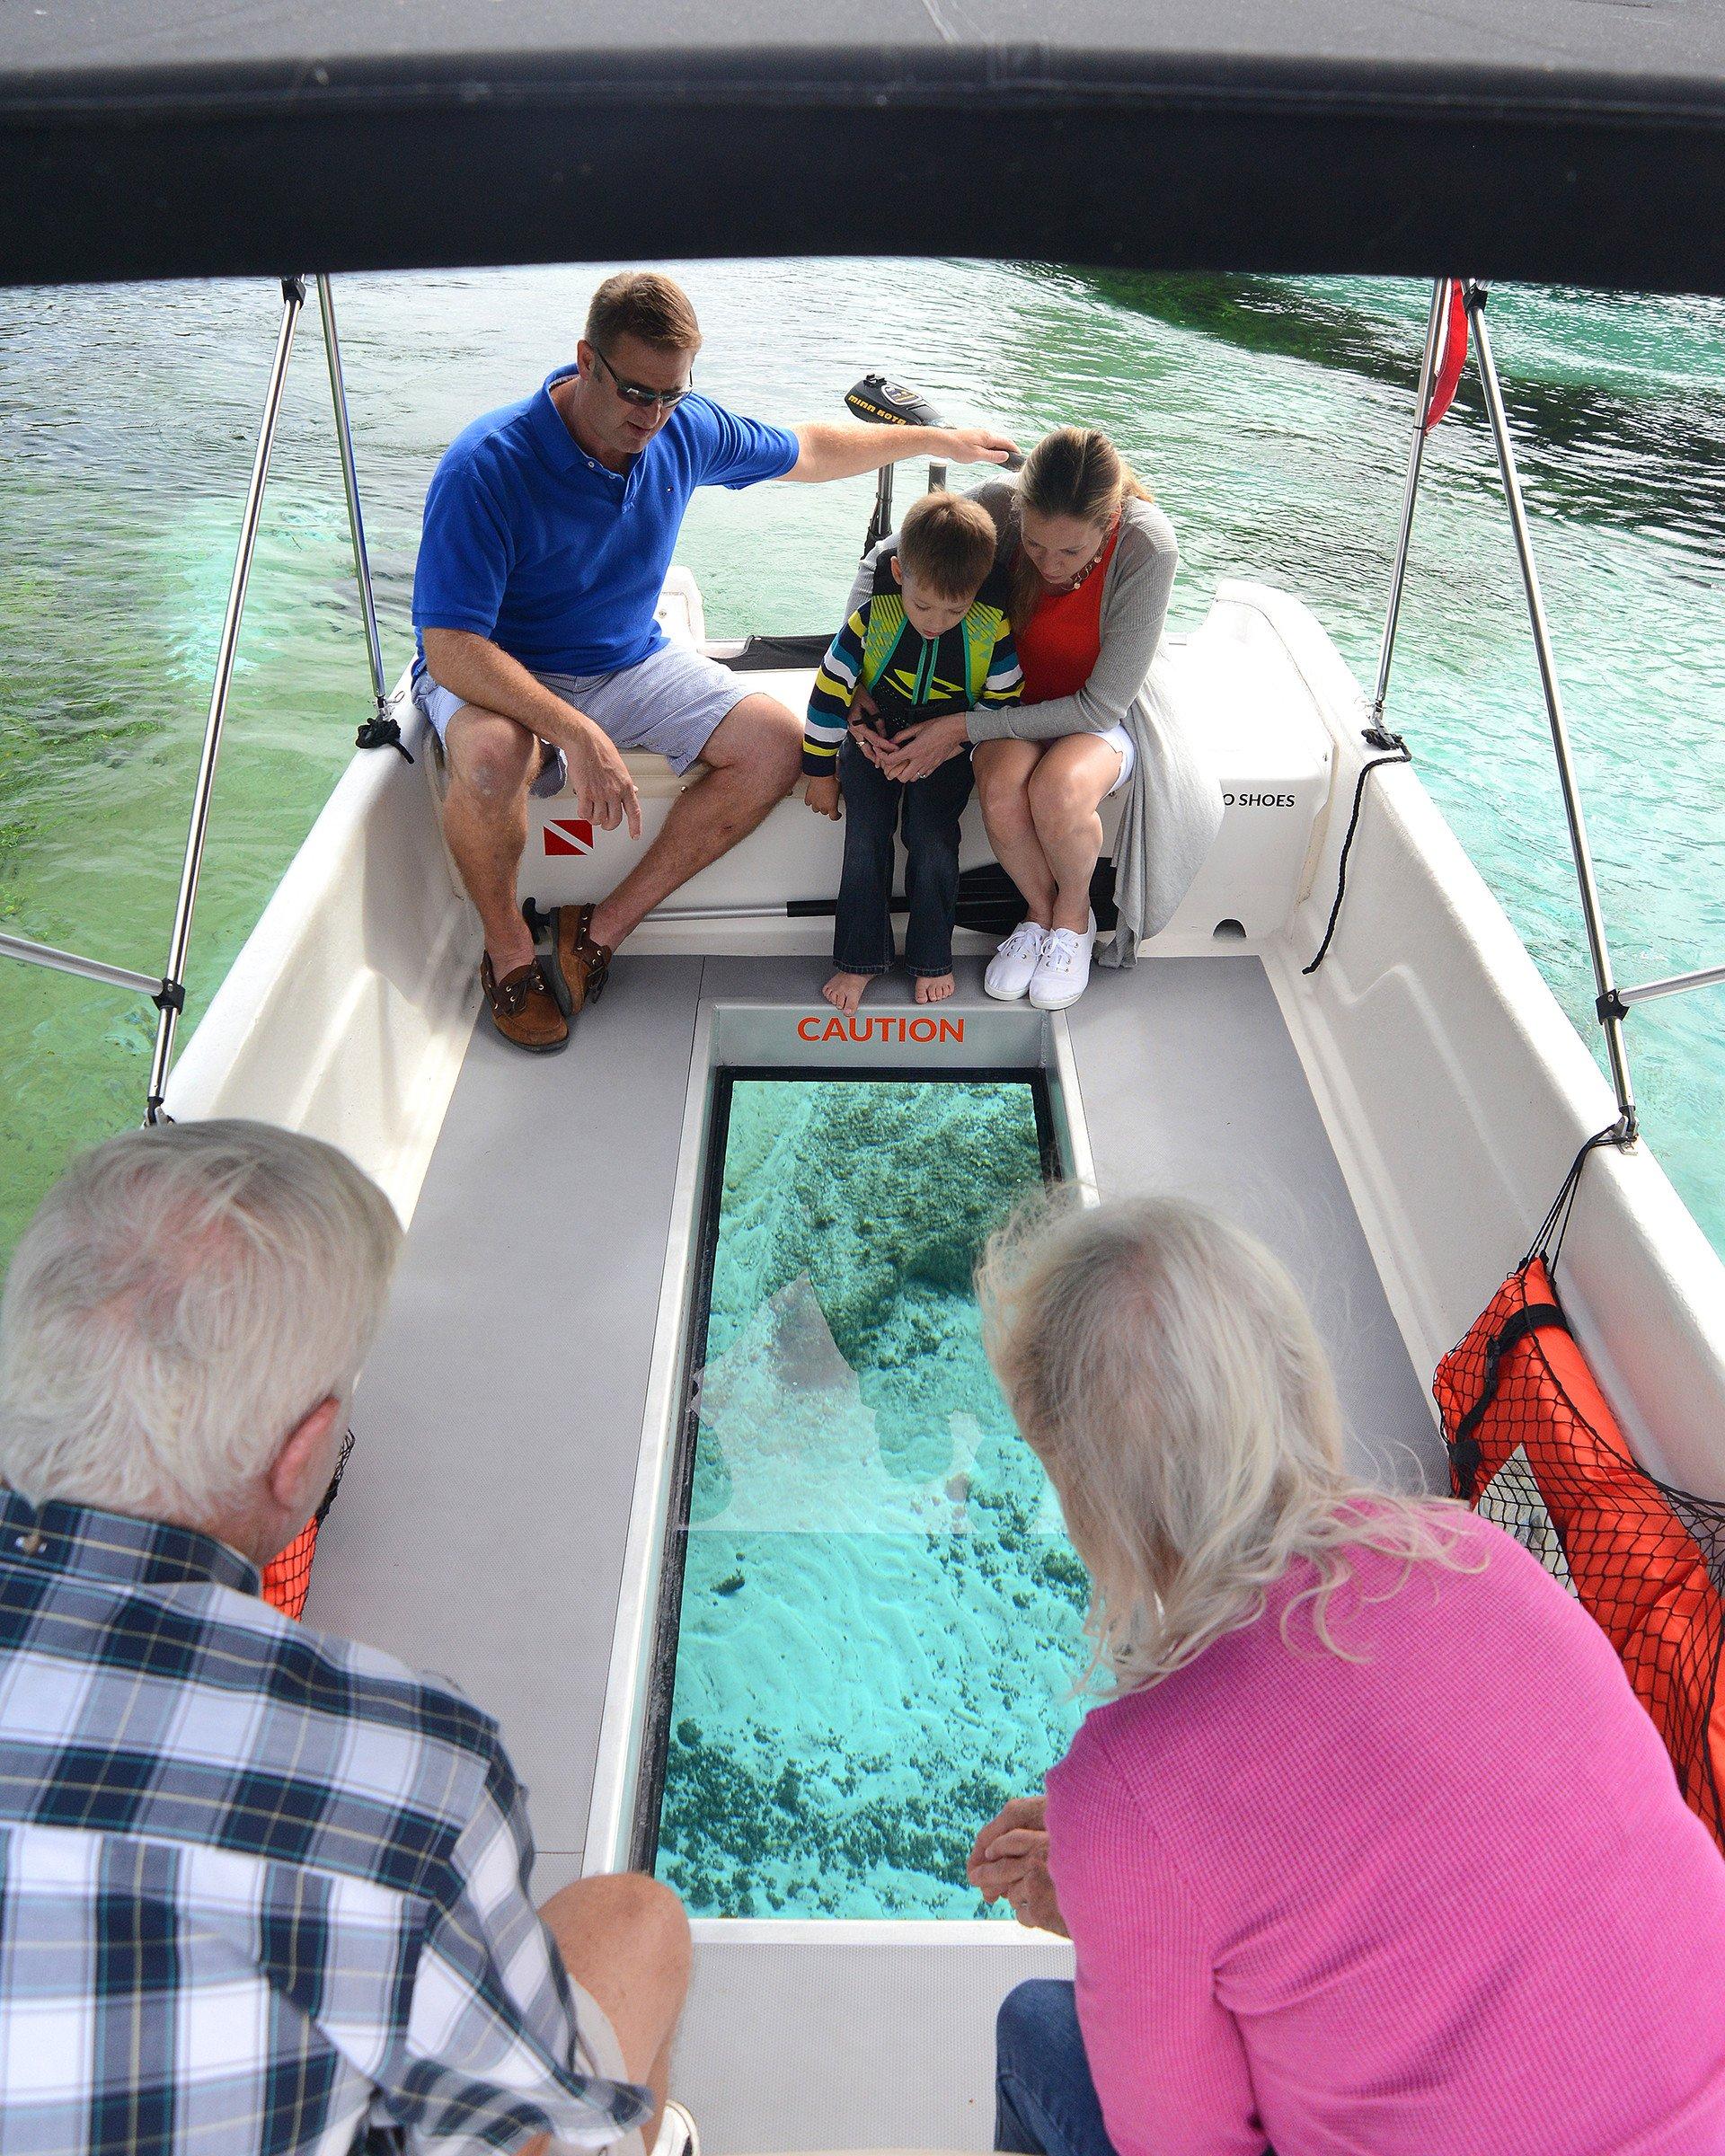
(1061, 591)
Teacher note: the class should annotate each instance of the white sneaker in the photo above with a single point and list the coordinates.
(1012, 966)
(677, 2134)
(1063, 971)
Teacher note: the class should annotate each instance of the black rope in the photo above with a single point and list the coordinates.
(322, 1512)
(1557, 1221)
(1400, 753)
(384, 732)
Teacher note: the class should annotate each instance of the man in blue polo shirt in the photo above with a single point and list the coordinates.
(549, 527)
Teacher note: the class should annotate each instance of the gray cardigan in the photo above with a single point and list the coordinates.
(1173, 808)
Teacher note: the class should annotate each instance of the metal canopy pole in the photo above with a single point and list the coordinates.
(87, 969)
(174, 990)
(1609, 1003)
(1707, 978)
(381, 732)
(1428, 360)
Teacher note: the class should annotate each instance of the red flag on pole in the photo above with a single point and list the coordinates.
(1449, 358)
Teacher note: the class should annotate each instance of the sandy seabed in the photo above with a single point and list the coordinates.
(881, 1619)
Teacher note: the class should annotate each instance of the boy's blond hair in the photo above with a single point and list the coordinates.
(948, 544)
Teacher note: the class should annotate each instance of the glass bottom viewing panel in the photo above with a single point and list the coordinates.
(880, 1620)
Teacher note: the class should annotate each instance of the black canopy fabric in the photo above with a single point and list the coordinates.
(1575, 141)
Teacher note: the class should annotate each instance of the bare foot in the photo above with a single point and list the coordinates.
(935, 987)
(846, 991)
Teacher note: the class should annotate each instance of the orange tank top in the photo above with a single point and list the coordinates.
(1058, 646)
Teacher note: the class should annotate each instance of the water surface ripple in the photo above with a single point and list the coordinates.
(1269, 416)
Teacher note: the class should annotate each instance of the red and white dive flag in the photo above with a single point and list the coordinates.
(567, 834)
(1448, 360)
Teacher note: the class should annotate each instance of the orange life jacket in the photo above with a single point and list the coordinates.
(1648, 1560)
(286, 1577)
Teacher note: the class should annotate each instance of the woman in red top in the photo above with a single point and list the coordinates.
(1092, 561)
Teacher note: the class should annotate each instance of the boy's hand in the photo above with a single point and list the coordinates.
(822, 797)
(864, 732)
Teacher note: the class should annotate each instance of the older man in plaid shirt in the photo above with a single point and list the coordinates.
(260, 1889)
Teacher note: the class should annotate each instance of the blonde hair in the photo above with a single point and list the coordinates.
(1164, 1368)
(1074, 472)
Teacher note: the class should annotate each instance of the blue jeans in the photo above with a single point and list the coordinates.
(1045, 2101)
(875, 806)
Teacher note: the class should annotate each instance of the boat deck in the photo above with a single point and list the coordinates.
(481, 1527)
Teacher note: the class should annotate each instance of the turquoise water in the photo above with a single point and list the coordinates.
(1269, 415)
(881, 1619)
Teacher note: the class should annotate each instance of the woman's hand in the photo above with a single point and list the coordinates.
(1010, 1858)
(924, 747)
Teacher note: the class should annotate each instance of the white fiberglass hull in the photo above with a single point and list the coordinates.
(1396, 1125)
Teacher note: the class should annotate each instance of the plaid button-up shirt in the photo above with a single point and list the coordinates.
(260, 1889)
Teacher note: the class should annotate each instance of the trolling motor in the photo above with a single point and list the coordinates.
(890, 404)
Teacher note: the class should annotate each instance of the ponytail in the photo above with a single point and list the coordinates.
(1074, 472)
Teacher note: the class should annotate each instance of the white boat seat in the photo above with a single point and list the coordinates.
(1249, 703)
(654, 778)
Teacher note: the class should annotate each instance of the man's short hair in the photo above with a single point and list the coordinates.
(948, 544)
(644, 304)
(182, 1298)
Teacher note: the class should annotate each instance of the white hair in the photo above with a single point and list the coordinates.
(183, 1297)
(1165, 1370)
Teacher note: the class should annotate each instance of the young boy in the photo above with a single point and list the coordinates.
(931, 638)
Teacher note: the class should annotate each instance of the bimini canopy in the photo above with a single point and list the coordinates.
(1580, 141)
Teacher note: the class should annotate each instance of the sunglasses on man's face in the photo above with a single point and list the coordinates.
(638, 393)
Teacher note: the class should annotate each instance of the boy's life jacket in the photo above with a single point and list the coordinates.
(909, 675)
(913, 676)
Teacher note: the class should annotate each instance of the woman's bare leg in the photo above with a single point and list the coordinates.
(1065, 793)
(1004, 771)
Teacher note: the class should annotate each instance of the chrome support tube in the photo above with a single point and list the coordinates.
(881, 523)
(1428, 358)
(1707, 978)
(1609, 1003)
(349, 480)
(725, 913)
(293, 299)
(88, 970)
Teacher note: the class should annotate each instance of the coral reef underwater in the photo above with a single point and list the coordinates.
(881, 1619)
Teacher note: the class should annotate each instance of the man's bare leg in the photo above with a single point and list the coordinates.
(625, 1938)
(754, 757)
(1004, 770)
(492, 762)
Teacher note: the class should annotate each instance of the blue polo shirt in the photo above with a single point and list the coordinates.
(530, 542)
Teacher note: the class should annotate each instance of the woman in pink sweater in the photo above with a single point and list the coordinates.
(1372, 1850)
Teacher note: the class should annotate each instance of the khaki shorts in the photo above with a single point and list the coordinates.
(671, 702)
(598, 2052)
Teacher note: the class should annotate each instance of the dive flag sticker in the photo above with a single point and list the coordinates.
(567, 834)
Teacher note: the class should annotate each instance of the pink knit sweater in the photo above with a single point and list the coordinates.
(1447, 1901)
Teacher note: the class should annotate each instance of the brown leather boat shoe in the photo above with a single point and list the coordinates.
(578, 964)
(523, 1008)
